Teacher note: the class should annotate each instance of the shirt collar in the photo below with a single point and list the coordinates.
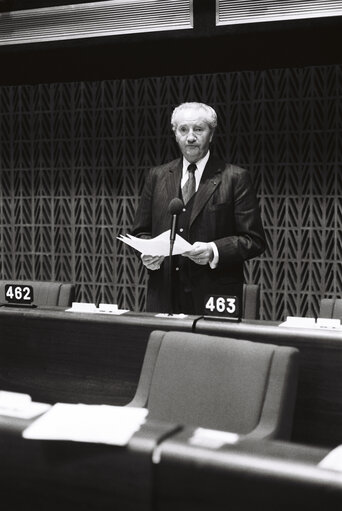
(200, 165)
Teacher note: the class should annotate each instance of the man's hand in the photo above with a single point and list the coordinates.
(152, 262)
(200, 253)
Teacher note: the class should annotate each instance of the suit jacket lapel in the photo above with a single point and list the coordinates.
(211, 179)
(173, 180)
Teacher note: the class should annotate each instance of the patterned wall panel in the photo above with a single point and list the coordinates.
(73, 158)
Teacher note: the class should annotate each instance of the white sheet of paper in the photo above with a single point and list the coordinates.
(104, 308)
(328, 323)
(15, 404)
(321, 323)
(158, 246)
(299, 322)
(173, 316)
(103, 424)
(333, 460)
(212, 438)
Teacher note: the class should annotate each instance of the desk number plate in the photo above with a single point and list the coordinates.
(16, 293)
(225, 306)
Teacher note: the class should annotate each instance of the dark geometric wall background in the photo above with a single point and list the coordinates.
(73, 157)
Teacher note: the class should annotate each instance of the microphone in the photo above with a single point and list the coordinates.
(175, 207)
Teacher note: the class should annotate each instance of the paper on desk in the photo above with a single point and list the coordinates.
(103, 308)
(298, 322)
(16, 404)
(333, 460)
(213, 438)
(321, 323)
(103, 424)
(158, 246)
(173, 316)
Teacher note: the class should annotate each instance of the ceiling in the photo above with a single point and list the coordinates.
(205, 48)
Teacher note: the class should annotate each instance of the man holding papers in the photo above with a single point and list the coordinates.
(220, 218)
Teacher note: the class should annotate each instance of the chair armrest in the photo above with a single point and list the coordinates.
(141, 396)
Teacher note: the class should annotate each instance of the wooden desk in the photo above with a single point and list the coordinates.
(55, 355)
(318, 411)
(260, 475)
(70, 476)
(160, 470)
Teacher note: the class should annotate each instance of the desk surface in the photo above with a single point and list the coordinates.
(259, 475)
(266, 331)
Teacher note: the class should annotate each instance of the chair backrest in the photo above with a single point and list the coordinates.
(251, 301)
(219, 383)
(331, 308)
(44, 293)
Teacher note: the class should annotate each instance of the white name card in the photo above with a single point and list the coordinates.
(90, 308)
(212, 438)
(321, 323)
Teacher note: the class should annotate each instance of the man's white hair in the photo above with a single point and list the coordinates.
(210, 114)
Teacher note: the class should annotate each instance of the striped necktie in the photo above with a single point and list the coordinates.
(189, 188)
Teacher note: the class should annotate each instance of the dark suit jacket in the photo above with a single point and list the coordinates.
(225, 211)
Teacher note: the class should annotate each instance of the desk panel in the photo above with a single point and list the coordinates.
(260, 475)
(59, 475)
(318, 410)
(72, 357)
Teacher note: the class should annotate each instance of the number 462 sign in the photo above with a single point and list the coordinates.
(16, 293)
(225, 306)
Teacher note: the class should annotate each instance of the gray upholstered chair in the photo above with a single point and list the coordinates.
(44, 293)
(331, 308)
(251, 301)
(219, 383)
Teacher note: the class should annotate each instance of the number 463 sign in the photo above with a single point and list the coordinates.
(225, 306)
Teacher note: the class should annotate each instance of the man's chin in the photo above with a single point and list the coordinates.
(193, 154)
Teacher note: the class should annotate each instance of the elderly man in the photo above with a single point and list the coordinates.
(220, 218)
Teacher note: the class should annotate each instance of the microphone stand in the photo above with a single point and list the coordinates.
(172, 242)
(175, 207)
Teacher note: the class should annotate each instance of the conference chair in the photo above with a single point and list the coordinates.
(219, 383)
(331, 308)
(59, 294)
(251, 301)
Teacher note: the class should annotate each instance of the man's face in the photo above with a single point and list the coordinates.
(193, 134)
